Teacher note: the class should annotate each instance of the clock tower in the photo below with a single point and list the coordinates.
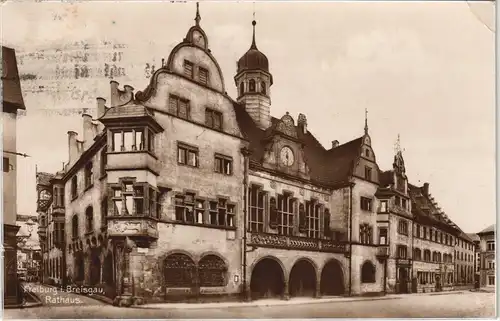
(253, 82)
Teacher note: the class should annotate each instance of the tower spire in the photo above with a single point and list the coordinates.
(198, 17)
(397, 146)
(366, 121)
(253, 46)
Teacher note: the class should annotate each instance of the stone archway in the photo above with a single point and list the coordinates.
(332, 279)
(267, 280)
(302, 279)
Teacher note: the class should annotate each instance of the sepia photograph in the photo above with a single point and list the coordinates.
(245, 160)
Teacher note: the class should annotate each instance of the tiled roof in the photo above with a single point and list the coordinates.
(10, 79)
(489, 229)
(43, 178)
(473, 236)
(326, 166)
(424, 208)
(386, 178)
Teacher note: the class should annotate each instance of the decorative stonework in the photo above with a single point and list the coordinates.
(296, 243)
(273, 184)
(302, 192)
(287, 126)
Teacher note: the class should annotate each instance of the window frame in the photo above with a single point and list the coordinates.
(366, 204)
(368, 173)
(186, 149)
(286, 209)
(210, 117)
(202, 70)
(257, 207)
(365, 233)
(224, 161)
(88, 174)
(175, 101)
(185, 70)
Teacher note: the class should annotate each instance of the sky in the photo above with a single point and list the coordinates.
(423, 70)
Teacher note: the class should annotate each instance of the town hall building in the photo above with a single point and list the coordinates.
(180, 192)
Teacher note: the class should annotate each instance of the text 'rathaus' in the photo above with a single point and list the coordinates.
(150, 209)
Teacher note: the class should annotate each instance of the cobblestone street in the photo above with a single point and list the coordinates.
(442, 305)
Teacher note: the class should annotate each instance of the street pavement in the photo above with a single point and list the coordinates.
(441, 305)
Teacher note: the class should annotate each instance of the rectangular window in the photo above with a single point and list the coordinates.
(89, 175)
(179, 107)
(200, 211)
(213, 211)
(418, 231)
(74, 187)
(491, 280)
(6, 165)
(129, 140)
(491, 265)
(490, 246)
(368, 173)
(382, 236)
(130, 199)
(402, 252)
(366, 204)
(365, 234)
(403, 227)
(213, 119)
(286, 214)
(256, 207)
(188, 69)
(313, 219)
(104, 211)
(223, 164)
(203, 75)
(383, 206)
(403, 203)
(187, 155)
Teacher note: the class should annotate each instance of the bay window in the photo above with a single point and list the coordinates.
(138, 199)
(136, 139)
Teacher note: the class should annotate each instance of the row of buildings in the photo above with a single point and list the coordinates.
(181, 192)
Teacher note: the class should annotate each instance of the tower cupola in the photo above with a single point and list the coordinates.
(253, 81)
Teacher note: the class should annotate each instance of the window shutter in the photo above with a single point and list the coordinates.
(172, 105)
(273, 217)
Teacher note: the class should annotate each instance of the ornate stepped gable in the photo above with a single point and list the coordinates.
(326, 167)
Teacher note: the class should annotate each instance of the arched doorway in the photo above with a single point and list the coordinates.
(79, 268)
(302, 279)
(403, 278)
(267, 279)
(107, 270)
(332, 279)
(95, 267)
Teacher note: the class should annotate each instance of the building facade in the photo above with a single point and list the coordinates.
(12, 103)
(28, 250)
(464, 260)
(487, 257)
(50, 209)
(180, 192)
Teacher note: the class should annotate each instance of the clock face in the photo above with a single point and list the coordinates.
(286, 156)
(45, 195)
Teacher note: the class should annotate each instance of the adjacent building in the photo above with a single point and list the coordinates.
(487, 257)
(182, 192)
(12, 103)
(28, 251)
(464, 260)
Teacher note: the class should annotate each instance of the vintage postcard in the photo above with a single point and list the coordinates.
(260, 159)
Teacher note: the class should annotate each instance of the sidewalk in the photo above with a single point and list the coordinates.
(278, 302)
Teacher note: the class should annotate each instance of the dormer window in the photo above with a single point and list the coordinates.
(203, 75)
(188, 69)
(251, 85)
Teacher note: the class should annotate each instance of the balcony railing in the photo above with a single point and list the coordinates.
(296, 243)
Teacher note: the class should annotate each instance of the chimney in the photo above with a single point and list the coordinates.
(72, 147)
(88, 131)
(115, 93)
(425, 189)
(101, 110)
(302, 123)
(335, 143)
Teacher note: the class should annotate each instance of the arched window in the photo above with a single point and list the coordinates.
(74, 226)
(180, 271)
(368, 273)
(439, 257)
(89, 219)
(212, 271)
(263, 88)
(427, 255)
(251, 85)
(242, 89)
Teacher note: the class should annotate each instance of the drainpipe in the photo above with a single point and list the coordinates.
(246, 154)
(350, 238)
